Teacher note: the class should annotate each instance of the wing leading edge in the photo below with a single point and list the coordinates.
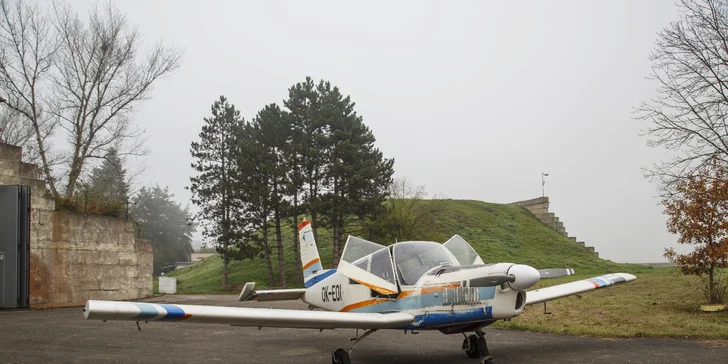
(242, 316)
(576, 287)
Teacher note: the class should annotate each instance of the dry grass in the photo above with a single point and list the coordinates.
(660, 304)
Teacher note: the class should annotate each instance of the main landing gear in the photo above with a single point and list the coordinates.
(341, 356)
(476, 347)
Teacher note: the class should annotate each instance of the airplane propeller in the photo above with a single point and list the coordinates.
(491, 281)
(555, 272)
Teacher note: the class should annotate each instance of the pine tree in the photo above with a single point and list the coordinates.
(311, 140)
(271, 134)
(215, 188)
(357, 173)
(165, 223)
(254, 175)
(107, 185)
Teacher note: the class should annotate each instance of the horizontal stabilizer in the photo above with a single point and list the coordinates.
(242, 316)
(576, 287)
(555, 272)
(250, 294)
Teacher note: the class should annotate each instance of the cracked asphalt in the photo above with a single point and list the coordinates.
(64, 336)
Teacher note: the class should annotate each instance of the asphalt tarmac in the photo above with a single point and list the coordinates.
(64, 336)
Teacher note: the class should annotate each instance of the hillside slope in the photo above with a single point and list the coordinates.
(500, 233)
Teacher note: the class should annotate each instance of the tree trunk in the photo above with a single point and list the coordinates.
(72, 178)
(225, 258)
(296, 243)
(279, 237)
(225, 215)
(266, 250)
(335, 243)
(713, 298)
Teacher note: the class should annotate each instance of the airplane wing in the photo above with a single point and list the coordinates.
(250, 294)
(242, 316)
(576, 287)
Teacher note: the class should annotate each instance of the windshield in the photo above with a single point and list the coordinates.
(414, 258)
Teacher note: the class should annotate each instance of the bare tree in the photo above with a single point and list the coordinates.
(83, 79)
(14, 131)
(688, 115)
(26, 57)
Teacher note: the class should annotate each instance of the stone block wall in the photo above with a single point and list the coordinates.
(74, 257)
(539, 207)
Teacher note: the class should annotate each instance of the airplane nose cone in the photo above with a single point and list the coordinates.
(526, 276)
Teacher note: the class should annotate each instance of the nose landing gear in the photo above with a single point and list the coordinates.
(476, 347)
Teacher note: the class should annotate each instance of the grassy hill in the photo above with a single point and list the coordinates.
(500, 233)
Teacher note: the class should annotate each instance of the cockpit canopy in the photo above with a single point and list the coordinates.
(414, 258)
(405, 262)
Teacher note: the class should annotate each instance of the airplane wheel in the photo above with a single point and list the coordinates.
(472, 347)
(340, 357)
(483, 348)
(488, 360)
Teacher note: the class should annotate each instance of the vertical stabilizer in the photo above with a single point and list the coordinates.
(313, 271)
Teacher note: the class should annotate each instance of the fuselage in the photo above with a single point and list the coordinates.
(444, 297)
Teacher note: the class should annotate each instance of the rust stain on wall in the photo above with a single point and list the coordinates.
(40, 281)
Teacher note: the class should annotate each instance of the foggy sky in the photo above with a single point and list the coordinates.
(473, 99)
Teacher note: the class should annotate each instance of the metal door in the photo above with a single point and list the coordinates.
(15, 246)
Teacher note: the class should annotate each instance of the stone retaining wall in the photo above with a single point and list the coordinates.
(76, 257)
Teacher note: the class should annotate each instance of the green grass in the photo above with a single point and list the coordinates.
(500, 233)
(662, 303)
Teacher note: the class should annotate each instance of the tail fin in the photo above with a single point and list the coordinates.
(313, 271)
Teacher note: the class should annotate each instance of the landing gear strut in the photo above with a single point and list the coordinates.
(341, 356)
(476, 347)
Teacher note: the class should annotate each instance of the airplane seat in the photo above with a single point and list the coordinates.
(414, 274)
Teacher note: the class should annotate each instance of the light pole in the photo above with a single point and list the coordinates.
(543, 183)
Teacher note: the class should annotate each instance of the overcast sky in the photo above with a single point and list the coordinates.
(473, 99)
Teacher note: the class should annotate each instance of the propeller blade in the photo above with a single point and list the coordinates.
(491, 281)
(555, 272)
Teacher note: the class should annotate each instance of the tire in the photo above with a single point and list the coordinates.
(482, 347)
(340, 356)
(473, 349)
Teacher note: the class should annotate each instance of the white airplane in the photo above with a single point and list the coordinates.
(408, 286)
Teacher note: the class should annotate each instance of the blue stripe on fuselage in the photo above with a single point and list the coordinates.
(450, 318)
(318, 278)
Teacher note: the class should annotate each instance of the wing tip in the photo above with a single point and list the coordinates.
(627, 276)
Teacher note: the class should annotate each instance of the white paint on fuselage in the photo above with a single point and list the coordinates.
(353, 296)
